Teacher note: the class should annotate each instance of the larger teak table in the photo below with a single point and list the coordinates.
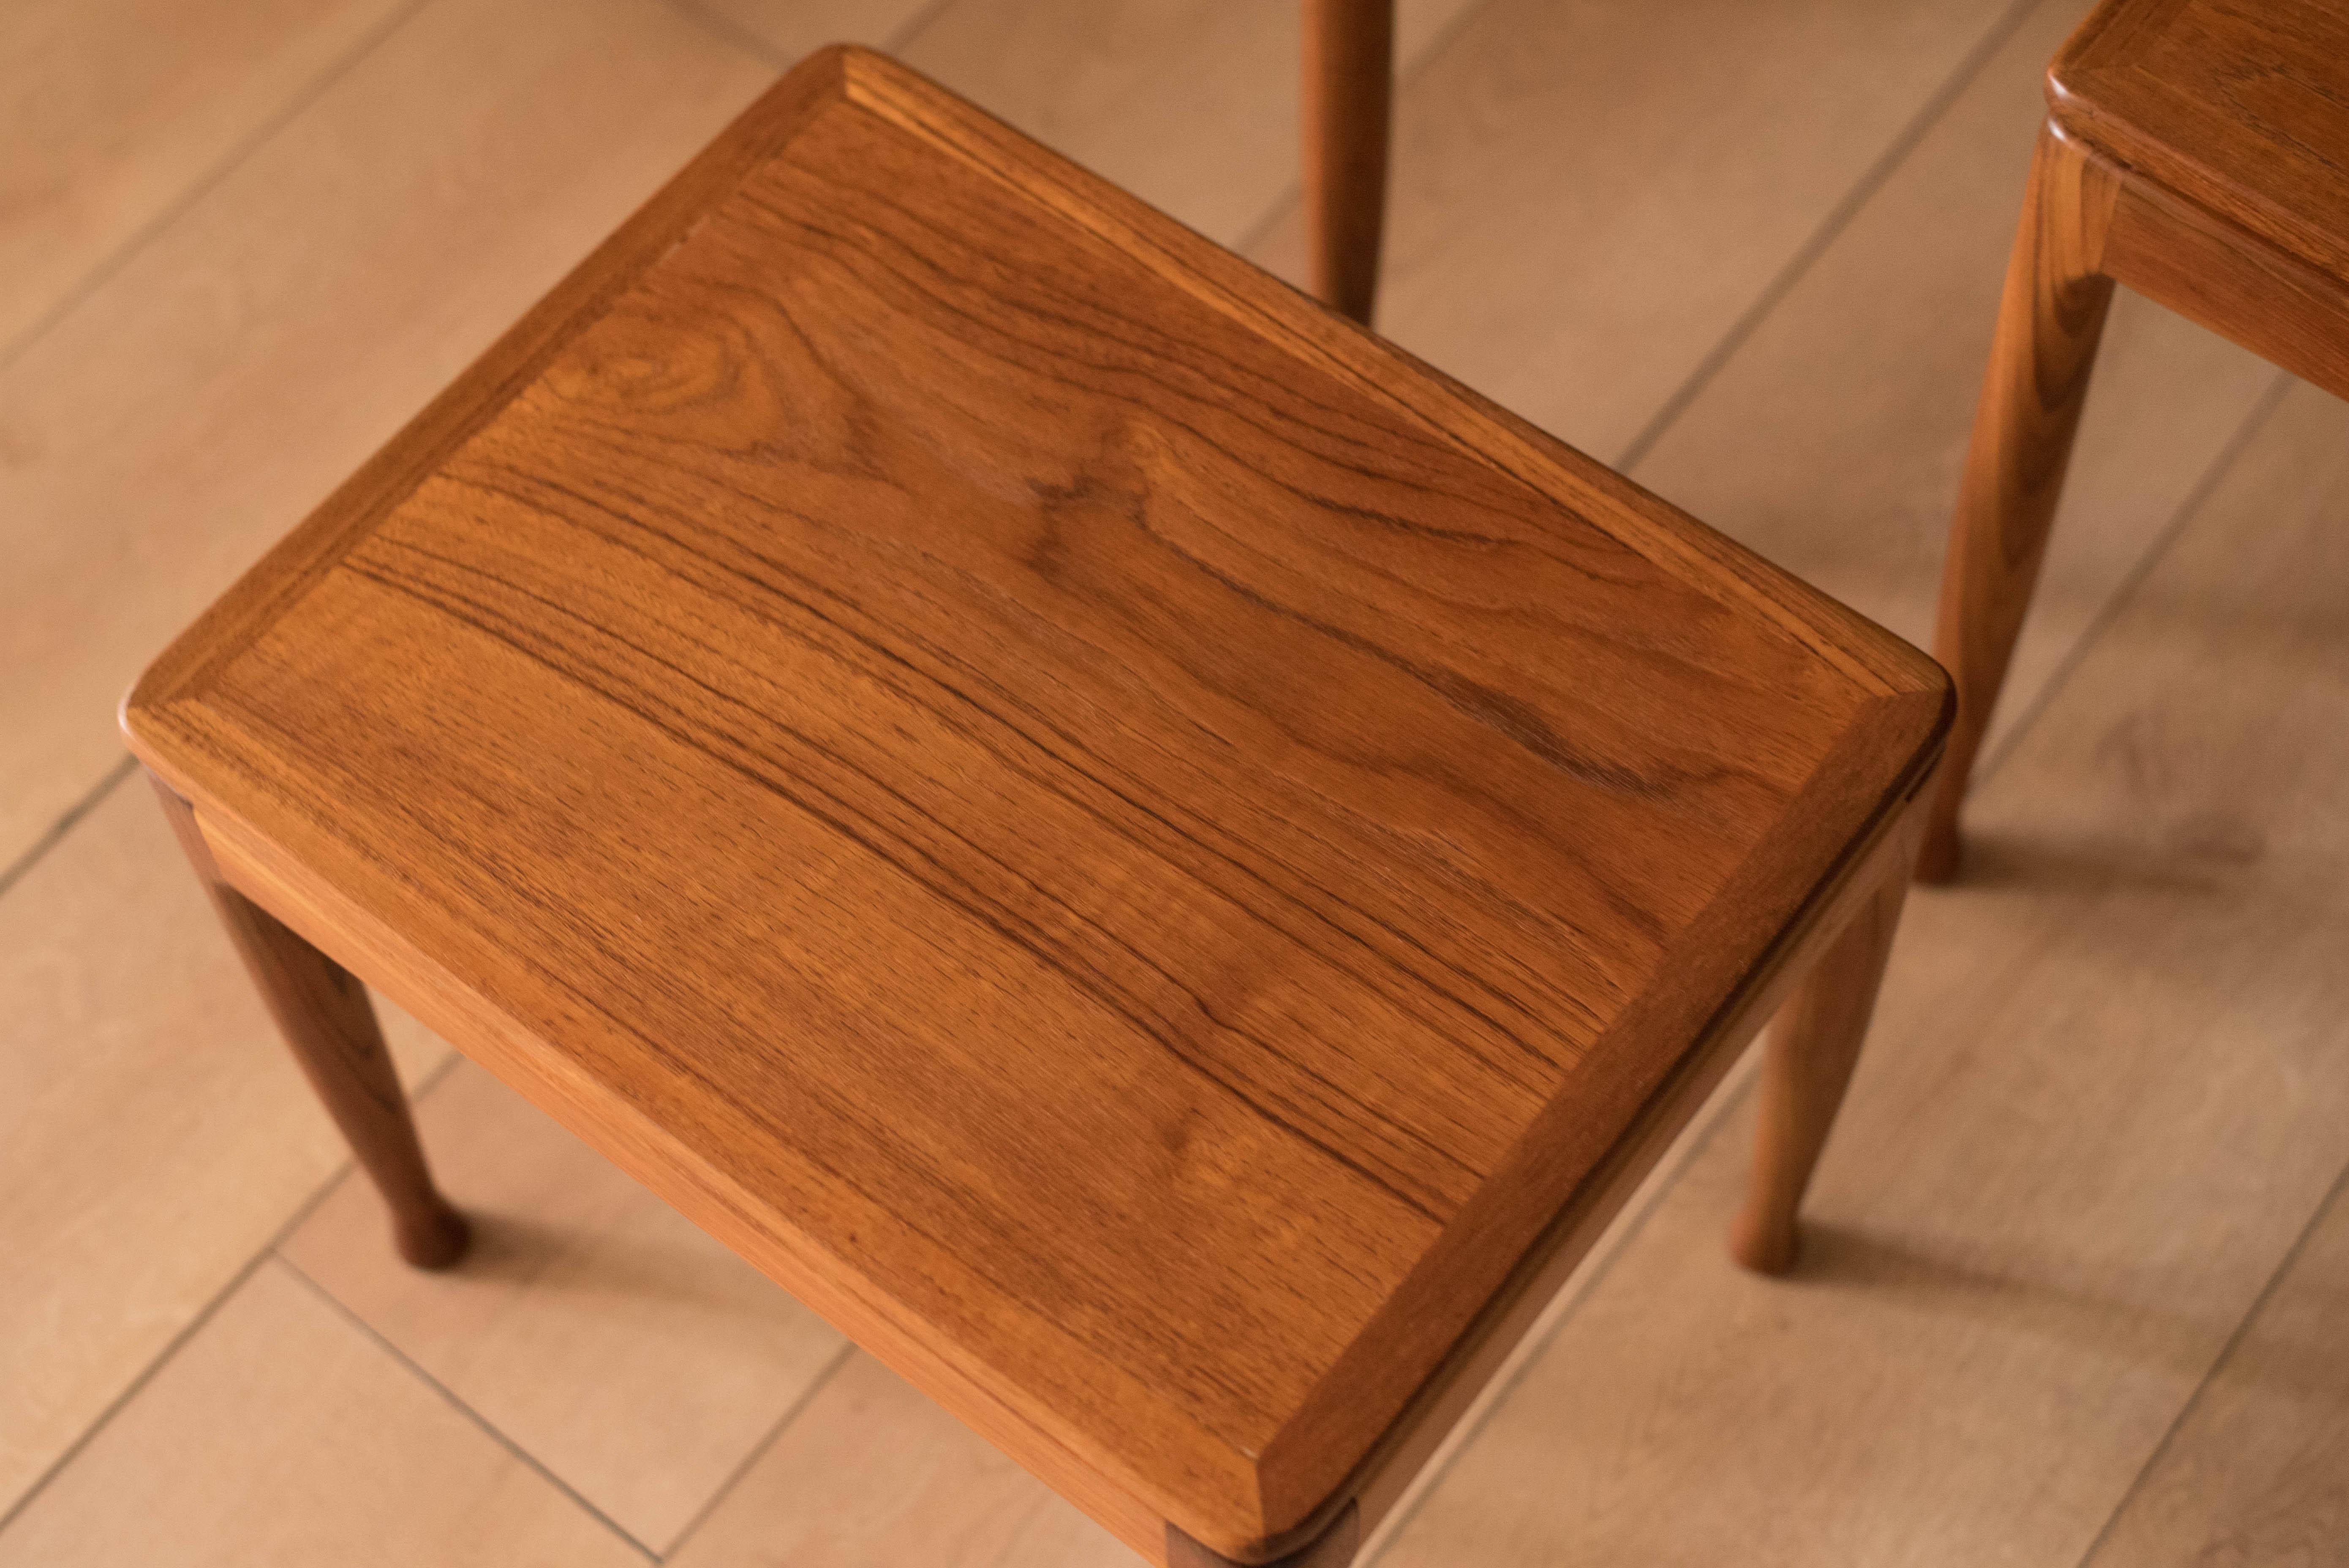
(2197, 150)
(1156, 860)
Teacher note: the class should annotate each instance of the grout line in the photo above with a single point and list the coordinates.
(119, 257)
(1439, 41)
(1585, 1286)
(1579, 1288)
(759, 1449)
(1830, 228)
(458, 1405)
(424, 1085)
(2261, 411)
(1871, 180)
(2210, 1375)
(90, 801)
(732, 31)
(914, 26)
(204, 186)
(1291, 194)
(187, 1331)
(210, 180)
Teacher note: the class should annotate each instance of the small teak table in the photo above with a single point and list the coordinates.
(1156, 861)
(2197, 150)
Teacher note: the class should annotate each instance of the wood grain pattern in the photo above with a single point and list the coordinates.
(1348, 96)
(330, 1026)
(1131, 844)
(2050, 318)
(2241, 105)
(2155, 934)
(1385, 1475)
(1813, 1047)
(2198, 149)
(2187, 257)
(1830, 442)
(249, 355)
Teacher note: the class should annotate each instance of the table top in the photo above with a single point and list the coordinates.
(1132, 843)
(2242, 105)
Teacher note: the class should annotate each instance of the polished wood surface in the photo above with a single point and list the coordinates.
(1131, 844)
(330, 1024)
(2197, 150)
(2185, 257)
(2240, 106)
(1814, 1044)
(1334, 1548)
(1980, 1254)
(1348, 96)
(2051, 316)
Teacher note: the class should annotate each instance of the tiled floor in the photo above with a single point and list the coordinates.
(2082, 1252)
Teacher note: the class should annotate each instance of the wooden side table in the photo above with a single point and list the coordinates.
(1161, 864)
(2197, 150)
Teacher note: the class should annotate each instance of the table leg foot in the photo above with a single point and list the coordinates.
(326, 1016)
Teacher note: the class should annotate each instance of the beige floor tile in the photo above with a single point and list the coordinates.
(153, 1134)
(635, 1357)
(1833, 440)
(281, 1434)
(873, 1475)
(115, 109)
(1588, 195)
(2259, 1470)
(1189, 104)
(189, 411)
(784, 30)
(2103, 1092)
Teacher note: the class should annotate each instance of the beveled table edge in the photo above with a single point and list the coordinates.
(2102, 44)
(1871, 659)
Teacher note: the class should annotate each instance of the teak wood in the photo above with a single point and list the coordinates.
(1811, 1054)
(327, 1018)
(2197, 150)
(1349, 102)
(1160, 863)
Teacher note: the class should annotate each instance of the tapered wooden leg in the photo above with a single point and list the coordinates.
(1349, 89)
(1333, 1548)
(1813, 1046)
(2049, 321)
(326, 1017)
